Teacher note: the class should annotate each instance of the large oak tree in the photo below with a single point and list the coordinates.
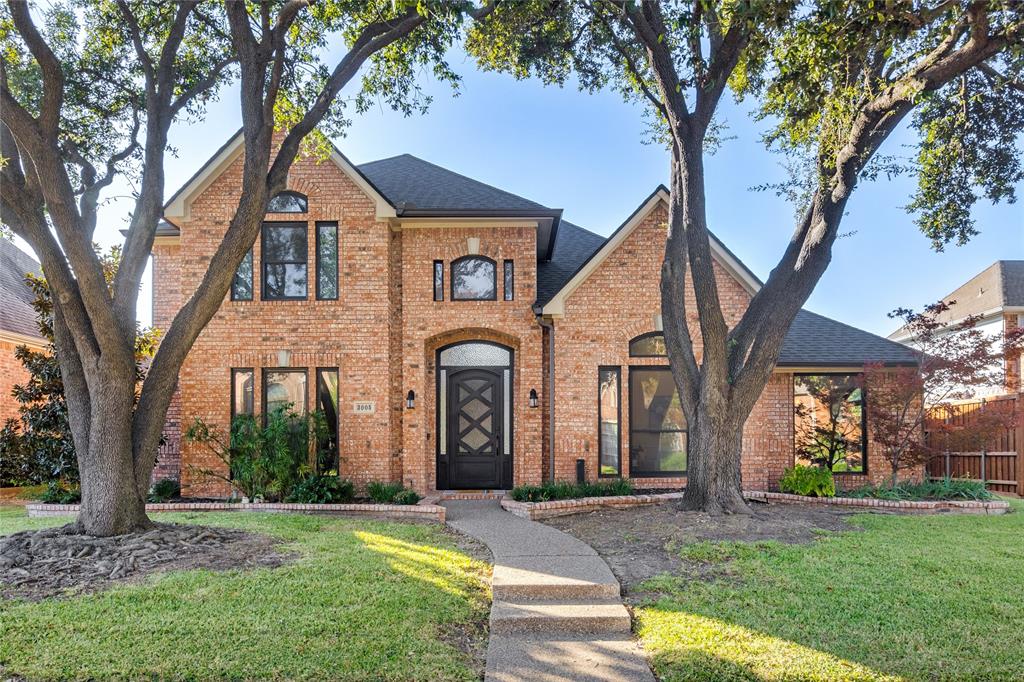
(834, 78)
(89, 90)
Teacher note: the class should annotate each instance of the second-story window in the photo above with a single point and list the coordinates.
(288, 202)
(327, 261)
(241, 287)
(510, 278)
(285, 270)
(439, 280)
(474, 278)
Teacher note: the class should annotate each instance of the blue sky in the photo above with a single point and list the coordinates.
(585, 153)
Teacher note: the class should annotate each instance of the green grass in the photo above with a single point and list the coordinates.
(367, 600)
(911, 598)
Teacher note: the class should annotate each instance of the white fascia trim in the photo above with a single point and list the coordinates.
(34, 342)
(180, 208)
(556, 306)
(990, 315)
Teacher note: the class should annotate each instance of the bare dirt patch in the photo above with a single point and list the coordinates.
(56, 562)
(642, 542)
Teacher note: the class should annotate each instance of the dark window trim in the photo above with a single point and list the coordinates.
(239, 370)
(438, 290)
(618, 404)
(641, 337)
(337, 258)
(264, 263)
(337, 416)
(290, 370)
(494, 286)
(290, 193)
(863, 417)
(633, 473)
(508, 277)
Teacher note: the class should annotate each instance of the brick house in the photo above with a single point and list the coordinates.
(458, 336)
(17, 322)
(996, 297)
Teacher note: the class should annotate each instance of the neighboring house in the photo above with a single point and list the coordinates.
(996, 297)
(17, 321)
(459, 336)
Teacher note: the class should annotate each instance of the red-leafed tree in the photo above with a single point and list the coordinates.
(954, 363)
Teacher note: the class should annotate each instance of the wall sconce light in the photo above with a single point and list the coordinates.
(410, 400)
(533, 397)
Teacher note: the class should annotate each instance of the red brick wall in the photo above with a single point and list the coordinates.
(11, 373)
(352, 333)
(1012, 363)
(620, 300)
(428, 325)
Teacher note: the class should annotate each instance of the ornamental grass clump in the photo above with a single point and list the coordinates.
(563, 490)
(938, 490)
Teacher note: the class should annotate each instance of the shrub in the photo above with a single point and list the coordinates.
(387, 493)
(163, 490)
(810, 481)
(323, 490)
(941, 489)
(62, 492)
(406, 496)
(262, 461)
(563, 490)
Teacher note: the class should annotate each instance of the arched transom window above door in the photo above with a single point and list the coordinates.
(649, 345)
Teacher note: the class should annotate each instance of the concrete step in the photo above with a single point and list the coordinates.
(564, 658)
(570, 577)
(589, 616)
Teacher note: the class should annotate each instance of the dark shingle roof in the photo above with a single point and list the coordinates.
(411, 182)
(816, 340)
(573, 246)
(16, 313)
(1013, 282)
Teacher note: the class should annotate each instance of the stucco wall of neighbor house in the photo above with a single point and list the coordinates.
(429, 325)
(620, 300)
(352, 333)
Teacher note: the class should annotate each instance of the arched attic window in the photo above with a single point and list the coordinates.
(474, 278)
(649, 345)
(288, 202)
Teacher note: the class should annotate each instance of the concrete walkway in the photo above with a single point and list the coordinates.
(557, 612)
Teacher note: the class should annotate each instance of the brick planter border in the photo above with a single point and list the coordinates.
(545, 510)
(426, 512)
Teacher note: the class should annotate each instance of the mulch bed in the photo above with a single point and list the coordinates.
(56, 562)
(641, 542)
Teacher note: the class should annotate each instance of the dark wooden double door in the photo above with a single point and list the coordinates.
(476, 438)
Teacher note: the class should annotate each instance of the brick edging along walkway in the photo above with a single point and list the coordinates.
(545, 510)
(428, 512)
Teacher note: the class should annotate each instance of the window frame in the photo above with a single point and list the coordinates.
(319, 262)
(438, 286)
(642, 337)
(290, 193)
(252, 278)
(264, 263)
(508, 280)
(634, 473)
(234, 395)
(863, 418)
(289, 370)
(494, 278)
(337, 415)
(618, 404)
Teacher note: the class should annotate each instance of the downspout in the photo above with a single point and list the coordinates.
(550, 326)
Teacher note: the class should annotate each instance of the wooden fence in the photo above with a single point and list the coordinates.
(1000, 462)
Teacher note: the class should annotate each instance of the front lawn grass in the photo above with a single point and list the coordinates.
(366, 600)
(910, 598)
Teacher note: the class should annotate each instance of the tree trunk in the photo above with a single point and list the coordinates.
(112, 502)
(715, 444)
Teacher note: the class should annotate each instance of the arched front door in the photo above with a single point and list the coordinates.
(474, 434)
